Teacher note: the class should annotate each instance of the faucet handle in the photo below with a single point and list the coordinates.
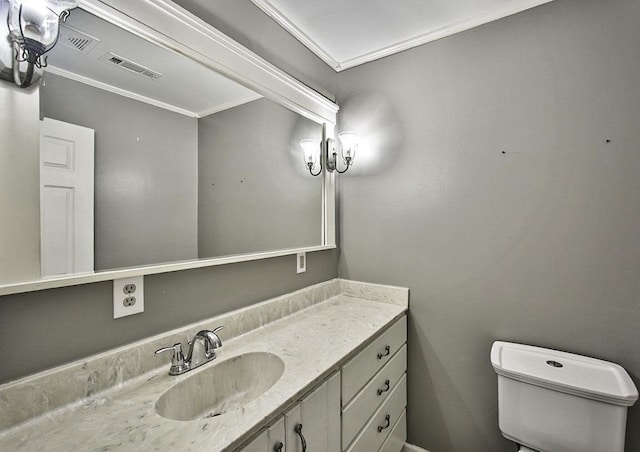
(213, 341)
(218, 342)
(215, 330)
(178, 364)
(176, 348)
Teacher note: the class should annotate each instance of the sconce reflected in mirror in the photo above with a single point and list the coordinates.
(33, 27)
(311, 150)
(314, 152)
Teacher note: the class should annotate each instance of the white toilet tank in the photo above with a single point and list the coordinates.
(554, 401)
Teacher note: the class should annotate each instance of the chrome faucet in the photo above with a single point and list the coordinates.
(211, 342)
(180, 364)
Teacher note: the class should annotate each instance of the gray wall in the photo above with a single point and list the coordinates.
(78, 320)
(504, 207)
(146, 173)
(254, 192)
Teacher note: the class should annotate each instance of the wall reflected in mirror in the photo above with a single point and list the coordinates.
(187, 163)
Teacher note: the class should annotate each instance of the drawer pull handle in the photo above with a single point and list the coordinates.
(298, 430)
(278, 447)
(385, 389)
(387, 351)
(387, 419)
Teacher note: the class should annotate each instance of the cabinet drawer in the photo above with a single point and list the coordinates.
(396, 439)
(379, 426)
(367, 401)
(366, 363)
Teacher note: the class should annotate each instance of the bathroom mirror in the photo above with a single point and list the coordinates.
(189, 167)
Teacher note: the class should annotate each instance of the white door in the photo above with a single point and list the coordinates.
(66, 198)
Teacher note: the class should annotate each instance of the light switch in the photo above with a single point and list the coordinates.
(301, 262)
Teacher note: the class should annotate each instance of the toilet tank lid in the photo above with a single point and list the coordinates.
(565, 372)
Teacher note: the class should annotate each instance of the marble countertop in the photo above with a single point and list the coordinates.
(311, 342)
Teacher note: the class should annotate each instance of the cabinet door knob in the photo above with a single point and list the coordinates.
(387, 420)
(387, 351)
(298, 430)
(278, 447)
(385, 389)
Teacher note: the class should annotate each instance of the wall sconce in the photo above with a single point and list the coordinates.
(33, 31)
(311, 150)
(314, 152)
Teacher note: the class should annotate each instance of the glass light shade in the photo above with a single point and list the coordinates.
(34, 23)
(62, 5)
(349, 142)
(310, 151)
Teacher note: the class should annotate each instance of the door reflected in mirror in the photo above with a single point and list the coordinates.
(187, 164)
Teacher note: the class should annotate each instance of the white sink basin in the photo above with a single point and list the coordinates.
(222, 387)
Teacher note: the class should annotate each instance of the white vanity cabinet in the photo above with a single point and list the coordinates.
(374, 394)
(361, 408)
(312, 425)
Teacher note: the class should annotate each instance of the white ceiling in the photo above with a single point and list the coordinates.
(346, 33)
(185, 86)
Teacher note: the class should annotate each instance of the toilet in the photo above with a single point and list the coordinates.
(552, 401)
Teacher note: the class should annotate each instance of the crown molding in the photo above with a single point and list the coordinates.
(115, 90)
(148, 100)
(227, 105)
(300, 35)
(419, 40)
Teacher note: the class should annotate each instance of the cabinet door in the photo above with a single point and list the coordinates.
(315, 421)
(259, 444)
(270, 440)
(277, 437)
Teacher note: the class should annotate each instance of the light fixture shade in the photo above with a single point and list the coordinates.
(34, 24)
(310, 152)
(62, 5)
(349, 142)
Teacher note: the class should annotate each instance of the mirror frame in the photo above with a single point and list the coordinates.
(190, 36)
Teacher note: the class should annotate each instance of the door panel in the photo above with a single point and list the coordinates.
(66, 198)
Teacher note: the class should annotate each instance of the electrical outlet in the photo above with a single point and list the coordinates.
(301, 260)
(129, 301)
(124, 302)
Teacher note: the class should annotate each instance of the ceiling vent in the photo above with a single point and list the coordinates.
(129, 65)
(76, 39)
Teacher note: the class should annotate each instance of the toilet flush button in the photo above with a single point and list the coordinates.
(554, 363)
